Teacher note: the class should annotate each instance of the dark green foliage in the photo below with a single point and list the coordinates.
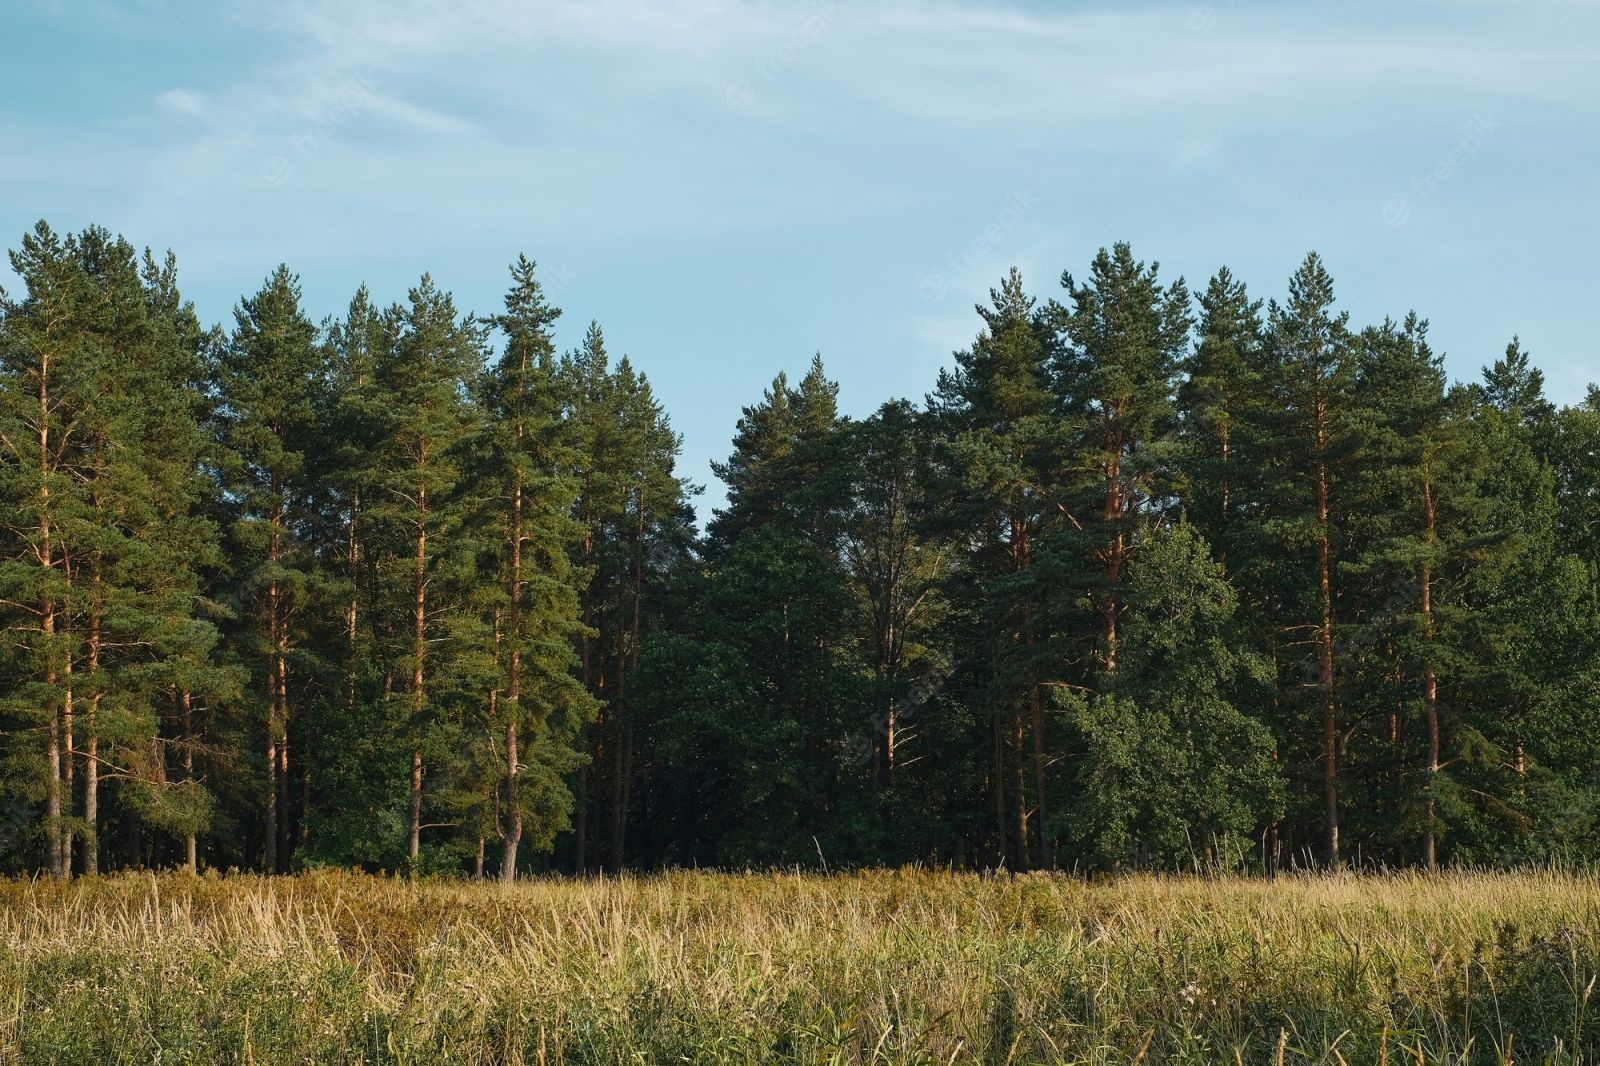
(1147, 582)
(1176, 768)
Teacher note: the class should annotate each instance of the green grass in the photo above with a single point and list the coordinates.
(883, 967)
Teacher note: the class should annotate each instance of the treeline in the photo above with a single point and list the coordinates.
(1148, 580)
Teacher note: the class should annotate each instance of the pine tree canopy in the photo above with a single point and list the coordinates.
(1149, 580)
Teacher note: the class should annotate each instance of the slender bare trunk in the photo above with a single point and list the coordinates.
(69, 725)
(91, 768)
(622, 756)
(352, 609)
(190, 850)
(1036, 726)
(1019, 807)
(1330, 729)
(1116, 550)
(618, 743)
(69, 703)
(1018, 548)
(414, 845)
(418, 691)
(1430, 684)
(580, 820)
(52, 802)
(513, 712)
(303, 830)
(274, 709)
(284, 838)
(1047, 859)
(59, 866)
(1227, 490)
(1002, 828)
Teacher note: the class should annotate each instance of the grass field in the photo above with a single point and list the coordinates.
(888, 967)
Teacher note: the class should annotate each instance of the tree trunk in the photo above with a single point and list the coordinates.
(190, 850)
(1019, 790)
(303, 828)
(69, 735)
(283, 778)
(1227, 498)
(414, 845)
(1116, 551)
(47, 631)
(512, 838)
(1002, 829)
(580, 822)
(618, 760)
(1036, 725)
(1430, 686)
(274, 643)
(91, 768)
(622, 757)
(52, 802)
(418, 690)
(1047, 859)
(1330, 730)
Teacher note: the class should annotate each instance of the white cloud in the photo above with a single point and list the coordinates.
(183, 101)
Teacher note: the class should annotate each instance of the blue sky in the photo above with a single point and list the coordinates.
(730, 185)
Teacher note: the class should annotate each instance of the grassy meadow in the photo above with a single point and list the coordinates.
(882, 967)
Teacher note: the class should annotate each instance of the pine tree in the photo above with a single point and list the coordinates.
(421, 391)
(348, 773)
(150, 633)
(49, 368)
(267, 378)
(1215, 401)
(1006, 436)
(1530, 657)
(1124, 338)
(765, 435)
(651, 522)
(630, 505)
(1416, 480)
(196, 675)
(1309, 380)
(1106, 601)
(544, 705)
(115, 527)
(1515, 388)
(894, 567)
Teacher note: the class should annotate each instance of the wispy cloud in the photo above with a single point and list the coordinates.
(183, 102)
(876, 146)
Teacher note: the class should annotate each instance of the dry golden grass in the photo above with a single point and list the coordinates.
(882, 967)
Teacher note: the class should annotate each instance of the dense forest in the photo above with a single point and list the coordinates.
(1148, 580)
